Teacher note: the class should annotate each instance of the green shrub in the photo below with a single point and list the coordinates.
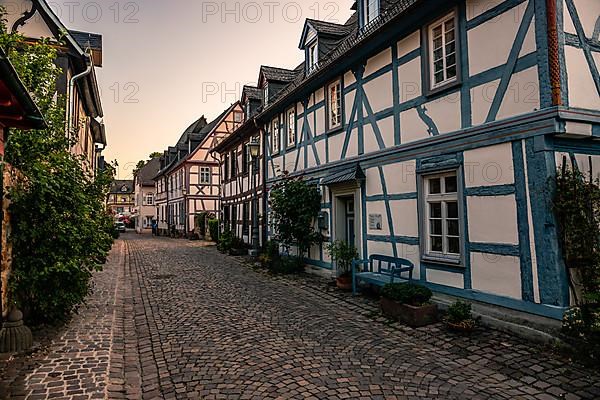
(406, 293)
(343, 254)
(213, 229)
(270, 254)
(225, 241)
(459, 311)
(237, 243)
(286, 265)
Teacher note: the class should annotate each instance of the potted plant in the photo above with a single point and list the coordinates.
(459, 317)
(408, 303)
(238, 247)
(343, 254)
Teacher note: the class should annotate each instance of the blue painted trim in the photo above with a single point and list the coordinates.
(523, 222)
(584, 44)
(541, 38)
(524, 63)
(498, 190)
(349, 127)
(413, 241)
(564, 80)
(363, 199)
(493, 13)
(359, 94)
(319, 264)
(372, 120)
(438, 163)
(496, 248)
(388, 211)
(456, 269)
(432, 128)
(396, 93)
(466, 244)
(393, 197)
(408, 57)
(512, 62)
(544, 310)
(466, 113)
(581, 146)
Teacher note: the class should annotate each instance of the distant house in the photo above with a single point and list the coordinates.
(121, 198)
(17, 110)
(188, 182)
(79, 55)
(145, 195)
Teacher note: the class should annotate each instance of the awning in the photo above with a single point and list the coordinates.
(350, 174)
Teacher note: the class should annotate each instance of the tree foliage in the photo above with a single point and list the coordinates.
(295, 205)
(61, 231)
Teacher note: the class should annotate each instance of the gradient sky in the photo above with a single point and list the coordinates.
(163, 59)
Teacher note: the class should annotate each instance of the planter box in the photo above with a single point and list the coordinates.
(410, 315)
(344, 283)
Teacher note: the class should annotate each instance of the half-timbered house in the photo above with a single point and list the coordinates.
(432, 129)
(241, 176)
(188, 182)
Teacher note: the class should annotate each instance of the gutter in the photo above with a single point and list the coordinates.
(72, 81)
(553, 52)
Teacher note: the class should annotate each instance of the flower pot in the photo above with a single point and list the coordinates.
(466, 326)
(344, 283)
(413, 316)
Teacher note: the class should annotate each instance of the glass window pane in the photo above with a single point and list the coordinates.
(451, 73)
(436, 244)
(451, 60)
(452, 209)
(454, 245)
(435, 210)
(436, 226)
(451, 184)
(437, 32)
(453, 227)
(435, 186)
(450, 24)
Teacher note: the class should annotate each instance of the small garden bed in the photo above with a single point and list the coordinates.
(408, 303)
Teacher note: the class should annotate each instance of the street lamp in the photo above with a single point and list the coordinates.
(254, 149)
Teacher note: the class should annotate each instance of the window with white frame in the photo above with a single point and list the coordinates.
(312, 56)
(238, 117)
(205, 175)
(291, 127)
(266, 94)
(334, 104)
(275, 137)
(370, 11)
(443, 60)
(442, 232)
(150, 199)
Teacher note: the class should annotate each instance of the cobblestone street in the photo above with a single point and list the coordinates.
(175, 319)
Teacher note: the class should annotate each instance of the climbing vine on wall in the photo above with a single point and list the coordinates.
(61, 232)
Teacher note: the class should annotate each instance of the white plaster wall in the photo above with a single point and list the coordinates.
(379, 92)
(321, 150)
(352, 145)
(446, 278)
(336, 143)
(478, 7)
(499, 275)
(378, 61)
(381, 248)
(378, 207)
(523, 94)
(348, 105)
(493, 219)
(481, 100)
(412, 128)
(409, 43)
(582, 90)
(401, 177)
(386, 128)
(404, 215)
(489, 166)
(589, 12)
(349, 78)
(412, 254)
(319, 129)
(501, 31)
(409, 80)
(319, 95)
(373, 182)
(446, 113)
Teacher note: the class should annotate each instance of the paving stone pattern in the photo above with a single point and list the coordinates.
(182, 321)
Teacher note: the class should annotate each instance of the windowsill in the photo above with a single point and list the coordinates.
(335, 130)
(291, 146)
(441, 89)
(445, 261)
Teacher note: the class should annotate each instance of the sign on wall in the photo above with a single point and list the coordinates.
(375, 222)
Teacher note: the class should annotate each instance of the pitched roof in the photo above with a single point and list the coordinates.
(277, 74)
(148, 171)
(118, 185)
(328, 28)
(86, 39)
(252, 92)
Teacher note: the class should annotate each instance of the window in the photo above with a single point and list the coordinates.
(245, 158)
(312, 56)
(442, 217)
(334, 105)
(248, 109)
(233, 164)
(150, 199)
(291, 128)
(370, 10)
(245, 218)
(238, 117)
(266, 94)
(443, 52)
(205, 175)
(275, 137)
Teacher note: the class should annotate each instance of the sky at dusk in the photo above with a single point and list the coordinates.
(166, 63)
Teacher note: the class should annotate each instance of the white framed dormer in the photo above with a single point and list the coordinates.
(312, 56)
(443, 52)
(290, 119)
(370, 11)
(335, 105)
(265, 93)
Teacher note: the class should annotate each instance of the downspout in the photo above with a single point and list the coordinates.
(553, 52)
(72, 81)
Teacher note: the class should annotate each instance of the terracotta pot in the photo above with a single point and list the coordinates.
(412, 316)
(344, 283)
(467, 326)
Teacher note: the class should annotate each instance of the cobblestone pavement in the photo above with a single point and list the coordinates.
(183, 321)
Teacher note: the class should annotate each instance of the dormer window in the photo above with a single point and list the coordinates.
(266, 94)
(334, 105)
(312, 56)
(291, 127)
(370, 11)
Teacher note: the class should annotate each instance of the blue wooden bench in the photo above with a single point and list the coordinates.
(380, 270)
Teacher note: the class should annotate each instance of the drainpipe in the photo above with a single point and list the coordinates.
(553, 52)
(72, 81)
